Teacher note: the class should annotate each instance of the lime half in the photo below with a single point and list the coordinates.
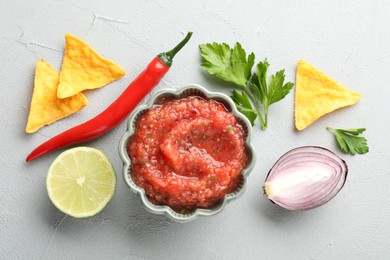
(81, 181)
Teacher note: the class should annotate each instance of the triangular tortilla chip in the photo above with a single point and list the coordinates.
(316, 94)
(83, 68)
(46, 107)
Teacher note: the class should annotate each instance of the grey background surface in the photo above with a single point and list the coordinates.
(348, 40)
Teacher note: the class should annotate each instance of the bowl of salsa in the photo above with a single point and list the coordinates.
(187, 152)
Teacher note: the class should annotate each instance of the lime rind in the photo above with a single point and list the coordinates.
(98, 181)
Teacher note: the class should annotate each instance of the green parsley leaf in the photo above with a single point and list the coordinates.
(244, 105)
(271, 91)
(228, 64)
(349, 141)
(234, 66)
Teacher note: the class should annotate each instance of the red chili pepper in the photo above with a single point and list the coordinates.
(118, 110)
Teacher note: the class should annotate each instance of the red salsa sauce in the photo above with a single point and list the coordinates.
(187, 153)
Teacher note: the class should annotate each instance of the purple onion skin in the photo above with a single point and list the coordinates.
(305, 178)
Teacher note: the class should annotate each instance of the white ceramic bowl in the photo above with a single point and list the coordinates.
(184, 92)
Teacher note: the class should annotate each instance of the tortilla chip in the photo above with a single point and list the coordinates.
(316, 94)
(83, 68)
(45, 107)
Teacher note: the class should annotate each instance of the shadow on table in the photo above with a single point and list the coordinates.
(124, 217)
(278, 214)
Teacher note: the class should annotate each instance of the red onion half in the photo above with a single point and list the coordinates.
(305, 178)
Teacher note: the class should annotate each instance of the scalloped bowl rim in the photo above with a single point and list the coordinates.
(163, 209)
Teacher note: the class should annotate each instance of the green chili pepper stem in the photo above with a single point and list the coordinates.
(167, 57)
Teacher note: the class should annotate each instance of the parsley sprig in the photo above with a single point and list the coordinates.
(350, 141)
(257, 91)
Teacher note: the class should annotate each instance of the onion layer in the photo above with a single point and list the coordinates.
(305, 178)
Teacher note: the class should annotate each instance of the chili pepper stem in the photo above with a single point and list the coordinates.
(167, 57)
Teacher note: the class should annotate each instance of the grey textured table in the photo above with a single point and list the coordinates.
(348, 40)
